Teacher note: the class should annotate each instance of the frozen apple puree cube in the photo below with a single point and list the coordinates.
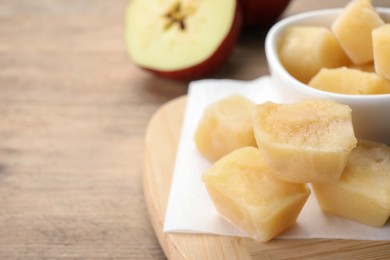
(350, 81)
(304, 50)
(225, 126)
(246, 194)
(307, 141)
(363, 192)
(381, 42)
(367, 67)
(353, 28)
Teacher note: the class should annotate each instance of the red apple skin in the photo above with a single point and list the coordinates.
(261, 13)
(211, 64)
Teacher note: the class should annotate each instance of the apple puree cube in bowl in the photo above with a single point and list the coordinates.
(246, 194)
(363, 192)
(308, 141)
(381, 42)
(350, 81)
(367, 67)
(225, 126)
(304, 50)
(353, 28)
(370, 112)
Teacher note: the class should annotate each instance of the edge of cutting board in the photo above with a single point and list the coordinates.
(161, 141)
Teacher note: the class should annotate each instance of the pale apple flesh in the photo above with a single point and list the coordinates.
(181, 39)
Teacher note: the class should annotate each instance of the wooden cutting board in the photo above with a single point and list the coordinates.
(161, 141)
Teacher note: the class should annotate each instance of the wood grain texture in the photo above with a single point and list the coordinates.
(73, 114)
(161, 141)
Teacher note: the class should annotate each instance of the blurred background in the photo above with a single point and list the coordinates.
(73, 113)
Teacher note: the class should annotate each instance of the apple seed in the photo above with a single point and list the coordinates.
(175, 16)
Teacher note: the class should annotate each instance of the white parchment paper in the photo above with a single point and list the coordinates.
(190, 210)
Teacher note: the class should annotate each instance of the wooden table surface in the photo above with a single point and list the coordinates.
(73, 113)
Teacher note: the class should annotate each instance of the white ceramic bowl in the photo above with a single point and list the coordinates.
(370, 113)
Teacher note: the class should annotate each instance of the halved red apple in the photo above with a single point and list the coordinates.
(181, 39)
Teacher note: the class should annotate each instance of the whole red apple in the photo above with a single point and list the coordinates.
(261, 13)
(182, 39)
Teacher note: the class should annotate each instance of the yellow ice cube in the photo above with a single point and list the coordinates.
(304, 50)
(366, 67)
(350, 81)
(381, 42)
(307, 141)
(353, 27)
(245, 193)
(225, 126)
(363, 192)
